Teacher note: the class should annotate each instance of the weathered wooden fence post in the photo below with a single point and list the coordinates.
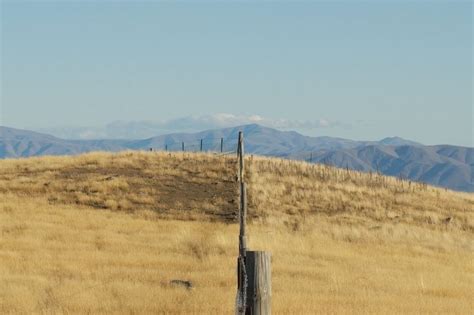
(253, 267)
(259, 291)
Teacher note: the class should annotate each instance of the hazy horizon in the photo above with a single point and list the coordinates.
(356, 70)
(139, 130)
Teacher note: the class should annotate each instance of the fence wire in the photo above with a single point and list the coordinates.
(218, 145)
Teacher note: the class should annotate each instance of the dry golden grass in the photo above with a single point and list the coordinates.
(106, 233)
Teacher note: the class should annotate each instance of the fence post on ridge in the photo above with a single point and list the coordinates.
(253, 267)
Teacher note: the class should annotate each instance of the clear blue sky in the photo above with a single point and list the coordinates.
(378, 68)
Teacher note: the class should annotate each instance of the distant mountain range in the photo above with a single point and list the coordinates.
(441, 165)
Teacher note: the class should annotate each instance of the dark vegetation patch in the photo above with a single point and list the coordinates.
(171, 186)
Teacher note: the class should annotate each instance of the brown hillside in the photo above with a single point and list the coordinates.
(106, 233)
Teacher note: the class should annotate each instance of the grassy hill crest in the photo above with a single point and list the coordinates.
(105, 232)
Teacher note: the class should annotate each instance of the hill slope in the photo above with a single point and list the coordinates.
(445, 166)
(106, 233)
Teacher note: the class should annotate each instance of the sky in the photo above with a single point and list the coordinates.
(352, 69)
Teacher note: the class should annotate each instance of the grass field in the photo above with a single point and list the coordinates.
(106, 233)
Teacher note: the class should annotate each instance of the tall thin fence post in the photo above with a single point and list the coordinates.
(253, 267)
(222, 145)
(182, 146)
(311, 158)
(201, 145)
(243, 219)
(240, 152)
(243, 198)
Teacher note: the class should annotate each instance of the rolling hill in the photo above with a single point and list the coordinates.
(442, 165)
(108, 233)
